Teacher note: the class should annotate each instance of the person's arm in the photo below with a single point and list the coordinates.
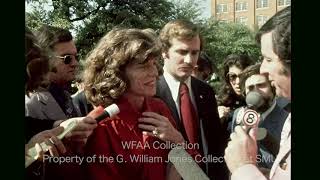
(241, 154)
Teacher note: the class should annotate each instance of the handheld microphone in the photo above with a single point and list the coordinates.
(249, 117)
(68, 126)
(254, 100)
(109, 111)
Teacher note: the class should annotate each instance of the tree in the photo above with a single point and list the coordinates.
(90, 20)
(222, 39)
(135, 14)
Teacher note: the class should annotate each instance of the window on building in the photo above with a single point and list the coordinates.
(241, 6)
(242, 20)
(222, 8)
(261, 19)
(284, 2)
(262, 3)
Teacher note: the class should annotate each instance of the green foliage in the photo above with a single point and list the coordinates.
(135, 14)
(215, 84)
(222, 39)
(90, 20)
(187, 9)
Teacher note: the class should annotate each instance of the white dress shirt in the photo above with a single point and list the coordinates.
(174, 85)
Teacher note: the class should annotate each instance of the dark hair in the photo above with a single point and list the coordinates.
(37, 64)
(227, 96)
(49, 36)
(204, 62)
(240, 61)
(280, 26)
(246, 73)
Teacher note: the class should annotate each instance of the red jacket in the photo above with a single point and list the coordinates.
(121, 150)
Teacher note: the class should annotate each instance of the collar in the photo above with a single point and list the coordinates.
(128, 114)
(288, 107)
(174, 85)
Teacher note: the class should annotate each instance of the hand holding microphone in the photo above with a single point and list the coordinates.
(82, 127)
(76, 128)
(242, 148)
(249, 117)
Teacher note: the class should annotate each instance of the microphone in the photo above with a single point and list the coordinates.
(109, 111)
(68, 126)
(254, 100)
(249, 117)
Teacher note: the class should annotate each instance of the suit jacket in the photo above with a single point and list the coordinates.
(279, 171)
(273, 123)
(42, 105)
(211, 132)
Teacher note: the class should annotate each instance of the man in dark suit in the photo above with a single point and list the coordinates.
(272, 114)
(181, 45)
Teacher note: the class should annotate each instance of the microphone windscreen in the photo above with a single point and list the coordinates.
(254, 100)
(112, 110)
(109, 111)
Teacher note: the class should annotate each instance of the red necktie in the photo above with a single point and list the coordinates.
(188, 114)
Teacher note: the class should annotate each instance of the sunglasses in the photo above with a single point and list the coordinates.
(232, 76)
(67, 59)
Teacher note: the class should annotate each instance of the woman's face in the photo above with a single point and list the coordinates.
(233, 76)
(142, 77)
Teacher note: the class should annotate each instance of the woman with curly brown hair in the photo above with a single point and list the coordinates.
(122, 69)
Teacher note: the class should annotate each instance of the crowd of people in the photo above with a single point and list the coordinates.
(161, 107)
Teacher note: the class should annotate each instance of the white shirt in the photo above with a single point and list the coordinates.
(286, 130)
(174, 85)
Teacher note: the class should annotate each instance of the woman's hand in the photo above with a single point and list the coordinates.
(159, 126)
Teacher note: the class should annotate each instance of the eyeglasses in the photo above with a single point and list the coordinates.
(67, 59)
(232, 76)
